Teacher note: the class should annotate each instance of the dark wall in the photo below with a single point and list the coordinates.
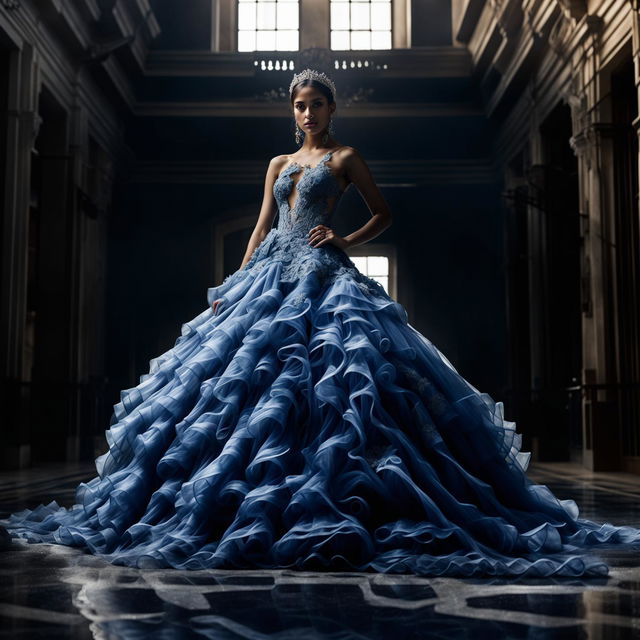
(448, 235)
(160, 268)
(186, 24)
(430, 23)
(451, 270)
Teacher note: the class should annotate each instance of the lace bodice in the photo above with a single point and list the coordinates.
(316, 194)
(303, 203)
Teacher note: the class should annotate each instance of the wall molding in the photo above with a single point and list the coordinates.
(388, 173)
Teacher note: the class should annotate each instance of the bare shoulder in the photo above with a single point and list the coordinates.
(278, 161)
(351, 162)
(346, 150)
(276, 164)
(349, 157)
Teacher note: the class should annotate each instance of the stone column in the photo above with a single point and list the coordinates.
(314, 24)
(592, 144)
(22, 122)
(53, 381)
(92, 183)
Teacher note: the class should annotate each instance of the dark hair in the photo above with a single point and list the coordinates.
(308, 82)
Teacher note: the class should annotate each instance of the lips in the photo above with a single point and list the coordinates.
(310, 124)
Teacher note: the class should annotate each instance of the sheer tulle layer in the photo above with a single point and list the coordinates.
(310, 426)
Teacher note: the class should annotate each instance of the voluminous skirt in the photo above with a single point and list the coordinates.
(308, 425)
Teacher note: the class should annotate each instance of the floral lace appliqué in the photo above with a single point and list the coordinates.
(318, 193)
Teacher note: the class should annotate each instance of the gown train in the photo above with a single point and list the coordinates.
(308, 425)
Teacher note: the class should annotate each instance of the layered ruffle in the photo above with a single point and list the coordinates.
(309, 425)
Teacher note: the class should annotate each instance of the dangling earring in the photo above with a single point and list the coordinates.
(328, 132)
(299, 134)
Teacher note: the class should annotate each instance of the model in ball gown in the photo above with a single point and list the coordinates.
(306, 424)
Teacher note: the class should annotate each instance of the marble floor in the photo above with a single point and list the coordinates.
(49, 591)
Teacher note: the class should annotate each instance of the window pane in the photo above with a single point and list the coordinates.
(360, 15)
(268, 25)
(360, 39)
(339, 40)
(246, 40)
(266, 41)
(378, 265)
(287, 40)
(375, 267)
(339, 15)
(287, 15)
(384, 281)
(247, 15)
(369, 23)
(381, 40)
(381, 15)
(266, 15)
(361, 263)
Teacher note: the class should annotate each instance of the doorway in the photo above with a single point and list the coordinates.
(561, 323)
(624, 101)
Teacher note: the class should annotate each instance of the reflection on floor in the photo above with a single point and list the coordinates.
(50, 591)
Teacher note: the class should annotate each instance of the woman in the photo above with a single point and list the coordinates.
(302, 422)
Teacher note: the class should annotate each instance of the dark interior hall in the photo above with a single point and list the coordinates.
(134, 140)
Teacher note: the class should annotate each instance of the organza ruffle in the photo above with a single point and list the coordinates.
(309, 425)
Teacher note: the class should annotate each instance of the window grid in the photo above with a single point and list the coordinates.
(268, 25)
(375, 267)
(360, 24)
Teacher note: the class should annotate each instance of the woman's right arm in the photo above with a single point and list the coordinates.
(267, 210)
(265, 218)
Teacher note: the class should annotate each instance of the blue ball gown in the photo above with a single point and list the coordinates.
(307, 424)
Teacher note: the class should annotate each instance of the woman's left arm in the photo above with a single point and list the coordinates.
(358, 172)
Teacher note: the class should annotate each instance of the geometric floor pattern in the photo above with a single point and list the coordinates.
(51, 591)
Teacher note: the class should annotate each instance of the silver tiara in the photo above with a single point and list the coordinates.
(312, 74)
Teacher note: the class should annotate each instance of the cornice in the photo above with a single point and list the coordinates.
(562, 29)
(468, 19)
(144, 8)
(534, 32)
(64, 34)
(67, 15)
(121, 81)
(136, 21)
(13, 35)
(72, 84)
(417, 62)
(91, 7)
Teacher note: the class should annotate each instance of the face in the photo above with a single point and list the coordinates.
(310, 106)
